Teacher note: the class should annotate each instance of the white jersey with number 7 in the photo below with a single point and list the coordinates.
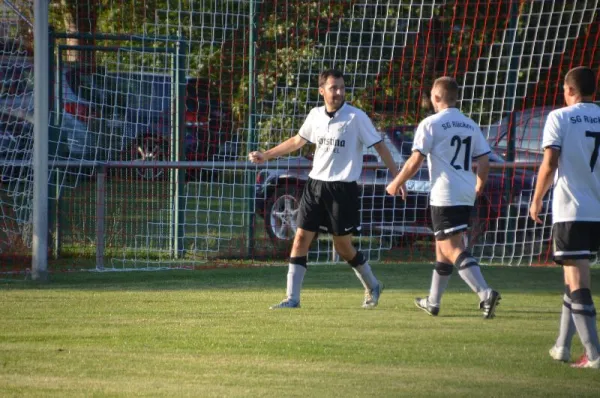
(575, 131)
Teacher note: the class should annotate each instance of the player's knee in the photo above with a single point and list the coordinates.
(299, 261)
(443, 269)
(358, 260)
(465, 260)
(449, 250)
(301, 243)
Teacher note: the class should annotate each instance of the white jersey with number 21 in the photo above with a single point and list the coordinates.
(450, 140)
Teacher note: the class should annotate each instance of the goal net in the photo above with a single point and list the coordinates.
(151, 125)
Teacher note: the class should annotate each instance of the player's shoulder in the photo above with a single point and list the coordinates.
(567, 111)
(561, 113)
(316, 110)
(429, 120)
(440, 118)
(351, 109)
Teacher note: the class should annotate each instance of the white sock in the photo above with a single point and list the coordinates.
(365, 275)
(295, 277)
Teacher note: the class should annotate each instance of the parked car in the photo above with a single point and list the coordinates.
(528, 128)
(16, 139)
(16, 134)
(16, 78)
(74, 135)
(278, 190)
(72, 116)
(136, 110)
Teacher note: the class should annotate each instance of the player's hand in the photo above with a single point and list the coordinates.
(534, 210)
(393, 189)
(403, 191)
(478, 191)
(257, 157)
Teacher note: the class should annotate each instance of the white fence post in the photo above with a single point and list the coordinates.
(40, 142)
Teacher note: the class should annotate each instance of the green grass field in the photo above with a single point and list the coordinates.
(210, 333)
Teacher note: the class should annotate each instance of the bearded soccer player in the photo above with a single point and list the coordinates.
(330, 200)
(571, 140)
(450, 141)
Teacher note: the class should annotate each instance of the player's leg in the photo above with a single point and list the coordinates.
(574, 244)
(439, 282)
(296, 268)
(449, 224)
(362, 269)
(561, 351)
(470, 272)
(584, 311)
(454, 224)
(342, 203)
(309, 215)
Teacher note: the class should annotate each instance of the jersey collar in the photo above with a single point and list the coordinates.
(337, 112)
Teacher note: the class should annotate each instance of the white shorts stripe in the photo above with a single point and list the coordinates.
(572, 253)
(457, 228)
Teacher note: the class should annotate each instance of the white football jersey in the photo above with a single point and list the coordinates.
(451, 140)
(575, 130)
(340, 140)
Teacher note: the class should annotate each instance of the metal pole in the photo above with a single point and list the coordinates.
(511, 92)
(179, 85)
(513, 75)
(39, 247)
(53, 138)
(100, 211)
(252, 144)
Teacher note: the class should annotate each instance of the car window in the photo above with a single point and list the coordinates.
(86, 84)
(15, 126)
(16, 79)
(532, 135)
(135, 91)
(527, 129)
(203, 99)
(398, 157)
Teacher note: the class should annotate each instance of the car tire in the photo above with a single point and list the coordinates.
(281, 211)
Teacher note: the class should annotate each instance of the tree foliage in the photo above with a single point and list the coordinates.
(390, 52)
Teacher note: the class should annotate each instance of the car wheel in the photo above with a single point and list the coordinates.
(149, 149)
(281, 213)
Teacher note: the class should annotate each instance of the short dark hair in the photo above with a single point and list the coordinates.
(449, 88)
(326, 74)
(582, 79)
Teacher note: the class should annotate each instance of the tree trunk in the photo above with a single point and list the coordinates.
(81, 17)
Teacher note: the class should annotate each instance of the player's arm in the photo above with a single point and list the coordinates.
(422, 145)
(410, 168)
(287, 146)
(544, 181)
(483, 170)
(552, 144)
(386, 156)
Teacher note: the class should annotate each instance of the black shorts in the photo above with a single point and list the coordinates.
(330, 206)
(450, 220)
(575, 240)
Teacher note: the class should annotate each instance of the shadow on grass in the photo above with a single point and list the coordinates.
(409, 277)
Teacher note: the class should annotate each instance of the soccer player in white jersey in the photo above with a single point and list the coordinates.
(571, 141)
(450, 141)
(331, 199)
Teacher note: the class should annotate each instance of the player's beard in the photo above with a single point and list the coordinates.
(337, 102)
